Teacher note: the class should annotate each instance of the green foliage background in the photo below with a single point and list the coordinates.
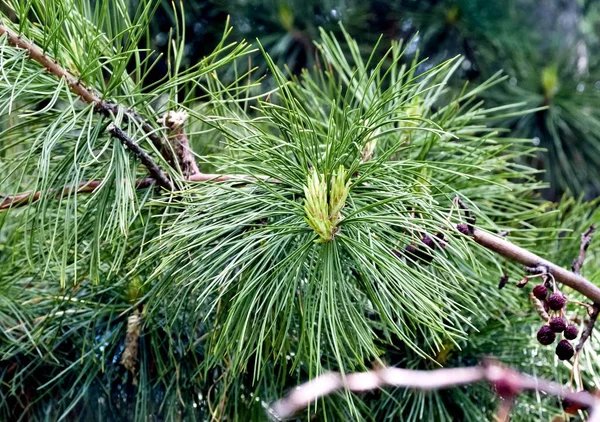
(238, 302)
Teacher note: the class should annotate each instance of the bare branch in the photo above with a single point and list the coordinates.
(508, 383)
(516, 253)
(586, 239)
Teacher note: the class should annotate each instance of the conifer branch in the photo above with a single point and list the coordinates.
(38, 55)
(23, 199)
(507, 382)
(101, 106)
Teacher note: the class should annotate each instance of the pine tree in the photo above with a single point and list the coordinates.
(194, 247)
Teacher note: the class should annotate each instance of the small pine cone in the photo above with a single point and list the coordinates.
(571, 332)
(417, 254)
(463, 228)
(540, 291)
(564, 350)
(410, 251)
(556, 301)
(545, 335)
(558, 324)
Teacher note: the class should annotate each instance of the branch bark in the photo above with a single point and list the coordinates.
(508, 383)
(523, 256)
(586, 240)
(180, 144)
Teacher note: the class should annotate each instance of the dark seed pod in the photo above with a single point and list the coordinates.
(564, 350)
(545, 335)
(571, 332)
(556, 301)
(441, 239)
(418, 254)
(410, 251)
(428, 241)
(463, 228)
(558, 324)
(503, 281)
(540, 291)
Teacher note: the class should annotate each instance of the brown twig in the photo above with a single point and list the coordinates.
(507, 382)
(101, 106)
(518, 254)
(586, 239)
(23, 199)
(589, 328)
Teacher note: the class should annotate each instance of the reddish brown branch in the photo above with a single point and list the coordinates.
(23, 199)
(37, 54)
(84, 187)
(174, 121)
(507, 382)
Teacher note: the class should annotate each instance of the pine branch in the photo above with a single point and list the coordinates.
(508, 383)
(515, 253)
(103, 107)
(38, 55)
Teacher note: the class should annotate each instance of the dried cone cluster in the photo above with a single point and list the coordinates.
(555, 303)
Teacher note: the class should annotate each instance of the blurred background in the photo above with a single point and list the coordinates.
(547, 50)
